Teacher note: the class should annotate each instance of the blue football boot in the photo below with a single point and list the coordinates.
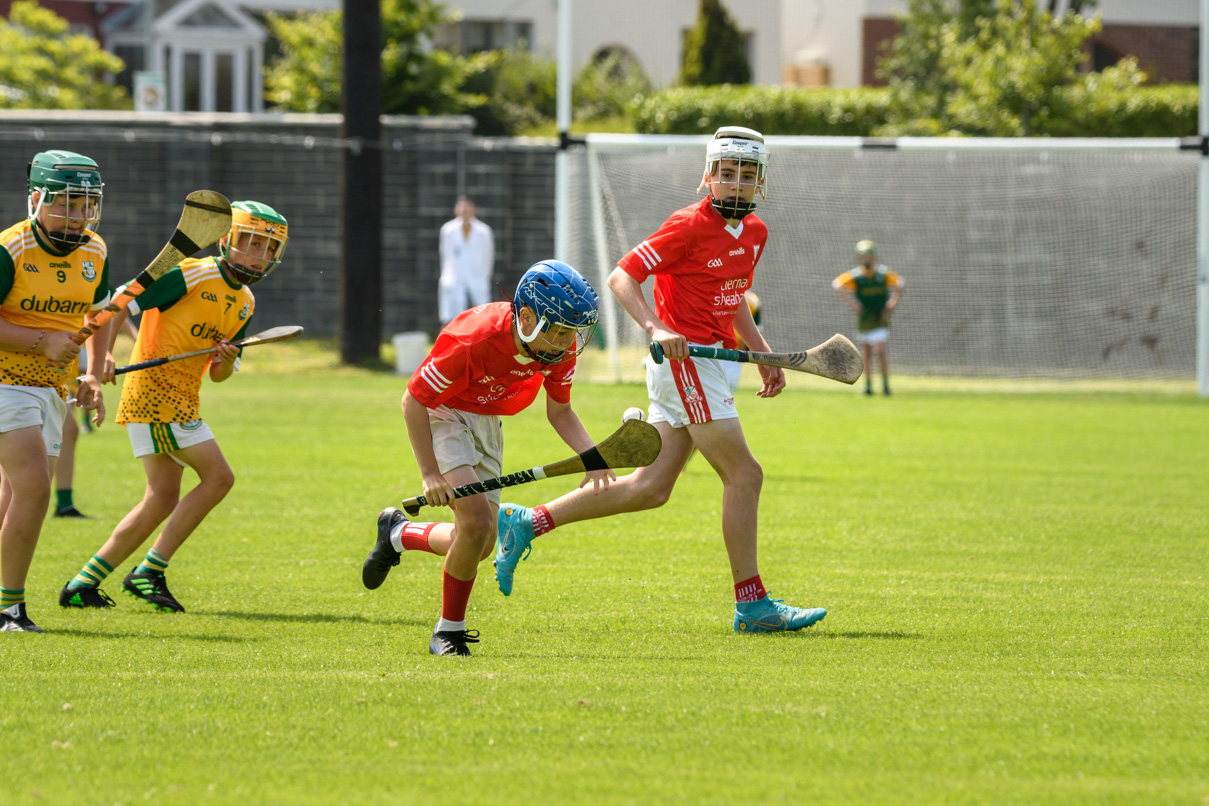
(513, 538)
(771, 615)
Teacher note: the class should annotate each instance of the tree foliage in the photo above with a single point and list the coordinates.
(713, 52)
(609, 84)
(994, 68)
(43, 66)
(518, 89)
(416, 78)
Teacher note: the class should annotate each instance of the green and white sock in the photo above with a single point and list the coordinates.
(91, 575)
(8, 598)
(153, 563)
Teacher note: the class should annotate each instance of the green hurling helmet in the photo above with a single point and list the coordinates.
(256, 242)
(69, 190)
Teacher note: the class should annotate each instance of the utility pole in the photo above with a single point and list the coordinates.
(361, 184)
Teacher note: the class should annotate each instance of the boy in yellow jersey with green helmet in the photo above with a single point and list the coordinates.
(199, 304)
(54, 272)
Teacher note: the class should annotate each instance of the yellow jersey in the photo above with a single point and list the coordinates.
(192, 307)
(42, 290)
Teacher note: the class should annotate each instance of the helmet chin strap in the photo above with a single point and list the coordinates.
(538, 329)
(733, 209)
(62, 241)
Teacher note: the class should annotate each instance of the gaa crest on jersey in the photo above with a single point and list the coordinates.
(90, 272)
(29, 267)
(245, 312)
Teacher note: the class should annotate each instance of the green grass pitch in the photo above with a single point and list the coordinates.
(1017, 589)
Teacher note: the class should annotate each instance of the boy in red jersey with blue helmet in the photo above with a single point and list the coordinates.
(703, 259)
(489, 362)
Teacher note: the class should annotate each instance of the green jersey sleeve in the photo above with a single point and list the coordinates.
(164, 292)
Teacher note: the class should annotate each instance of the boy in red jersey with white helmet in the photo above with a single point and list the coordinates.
(489, 362)
(702, 259)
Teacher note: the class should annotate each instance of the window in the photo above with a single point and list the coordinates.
(224, 82)
(193, 77)
(132, 57)
(474, 36)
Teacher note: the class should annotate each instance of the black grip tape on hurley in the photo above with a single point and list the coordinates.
(183, 244)
(593, 460)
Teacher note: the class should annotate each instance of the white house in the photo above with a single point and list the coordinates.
(211, 52)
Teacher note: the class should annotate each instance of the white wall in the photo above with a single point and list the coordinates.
(651, 29)
(786, 31)
(824, 31)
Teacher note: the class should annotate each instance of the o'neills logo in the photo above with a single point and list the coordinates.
(204, 331)
(53, 305)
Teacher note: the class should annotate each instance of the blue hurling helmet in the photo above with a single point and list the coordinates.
(558, 295)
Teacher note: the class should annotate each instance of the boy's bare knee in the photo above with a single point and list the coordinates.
(652, 497)
(477, 529)
(226, 481)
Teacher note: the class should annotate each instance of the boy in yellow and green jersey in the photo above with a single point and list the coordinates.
(54, 274)
(199, 304)
(871, 290)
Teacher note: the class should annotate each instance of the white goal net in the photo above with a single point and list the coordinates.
(1038, 259)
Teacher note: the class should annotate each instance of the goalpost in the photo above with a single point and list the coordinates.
(1038, 258)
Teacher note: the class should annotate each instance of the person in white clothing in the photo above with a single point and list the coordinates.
(467, 258)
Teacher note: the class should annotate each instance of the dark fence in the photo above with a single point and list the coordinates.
(150, 162)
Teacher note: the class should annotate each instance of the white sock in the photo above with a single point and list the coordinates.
(450, 626)
(396, 534)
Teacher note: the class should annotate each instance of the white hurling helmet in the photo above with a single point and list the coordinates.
(741, 145)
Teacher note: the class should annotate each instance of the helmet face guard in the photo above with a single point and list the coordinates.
(559, 297)
(256, 242)
(68, 190)
(745, 147)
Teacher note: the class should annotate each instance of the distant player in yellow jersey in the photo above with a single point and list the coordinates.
(201, 303)
(871, 290)
(54, 271)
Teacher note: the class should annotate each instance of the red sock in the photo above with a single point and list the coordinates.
(455, 594)
(750, 590)
(542, 522)
(414, 537)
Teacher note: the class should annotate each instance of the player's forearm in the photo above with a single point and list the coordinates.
(629, 294)
(20, 339)
(745, 327)
(116, 325)
(569, 427)
(98, 347)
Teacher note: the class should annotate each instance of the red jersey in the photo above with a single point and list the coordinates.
(474, 367)
(701, 269)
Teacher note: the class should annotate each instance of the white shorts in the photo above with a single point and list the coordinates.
(149, 438)
(462, 438)
(690, 392)
(879, 335)
(29, 406)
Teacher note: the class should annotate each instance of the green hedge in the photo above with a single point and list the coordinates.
(824, 111)
(1167, 110)
(1161, 111)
